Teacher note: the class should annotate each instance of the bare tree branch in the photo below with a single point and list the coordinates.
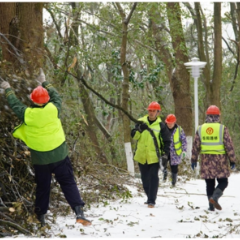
(121, 12)
(55, 22)
(123, 15)
(146, 46)
(238, 61)
(16, 51)
(206, 33)
(191, 10)
(104, 99)
(230, 49)
(131, 12)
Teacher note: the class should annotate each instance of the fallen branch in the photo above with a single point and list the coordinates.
(16, 226)
(3, 209)
(4, 216)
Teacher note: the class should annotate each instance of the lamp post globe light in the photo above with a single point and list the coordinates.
(195, 67)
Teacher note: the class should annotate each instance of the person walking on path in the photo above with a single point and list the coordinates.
(41, 130)
(213, 142)
(147, 152)
(178, 147)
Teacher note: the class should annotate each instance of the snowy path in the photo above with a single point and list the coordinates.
(179, 213)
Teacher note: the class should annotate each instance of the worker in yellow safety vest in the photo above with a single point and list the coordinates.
(178, 147)
(153, 141)
(41, 130)
(213, 143)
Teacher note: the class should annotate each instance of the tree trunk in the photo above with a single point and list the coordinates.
(125, 87)
(202, 56)
(91, 126)
(13, 59)
(238, 21)
(84, 95)
(160, 45)
(217, 71)
(234, 12)
(31, 30)
(235, 19)
(7, 16)
(23, 23)
(180, 79)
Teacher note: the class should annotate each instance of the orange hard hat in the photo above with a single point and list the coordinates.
(39, 95)
(154, 106)
(171, 118)
(213, 110)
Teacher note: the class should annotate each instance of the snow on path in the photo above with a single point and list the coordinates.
(180, 212)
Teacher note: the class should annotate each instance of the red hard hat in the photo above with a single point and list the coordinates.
(39, 95)
(154, 106)
(213, 110)
(171, 118)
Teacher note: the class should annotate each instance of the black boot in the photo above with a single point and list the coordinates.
(211, 207)
(80, 216)
(174, 179)
(165, 175)
(214, 199)
(41, 219)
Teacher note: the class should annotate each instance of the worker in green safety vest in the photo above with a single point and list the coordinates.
(213, 143)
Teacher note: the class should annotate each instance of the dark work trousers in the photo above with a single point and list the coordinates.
(210, 185)
(150, 180)
(174, 169)
(64, 175)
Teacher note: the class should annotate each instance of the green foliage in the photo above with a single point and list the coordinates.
(151, 77)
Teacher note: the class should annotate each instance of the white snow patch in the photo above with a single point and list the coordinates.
(180, 212)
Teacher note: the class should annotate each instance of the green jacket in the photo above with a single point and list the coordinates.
(146, 150)
(40, 157)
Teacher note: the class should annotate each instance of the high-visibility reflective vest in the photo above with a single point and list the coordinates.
(211, 135)
(177, 141)
(146, 150)
(42, 129)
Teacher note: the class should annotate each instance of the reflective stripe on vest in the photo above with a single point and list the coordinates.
(177, 141)
(42, 129)
(211, 135)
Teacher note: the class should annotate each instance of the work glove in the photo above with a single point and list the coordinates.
(41, 76)
(164, 160)
(184, 154)
(232, 165)
(5, 85)
(142, 127)
(193, 165)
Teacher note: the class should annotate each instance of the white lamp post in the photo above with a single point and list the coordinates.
(195, 67)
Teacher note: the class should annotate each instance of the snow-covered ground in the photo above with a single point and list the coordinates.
(180, 212)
